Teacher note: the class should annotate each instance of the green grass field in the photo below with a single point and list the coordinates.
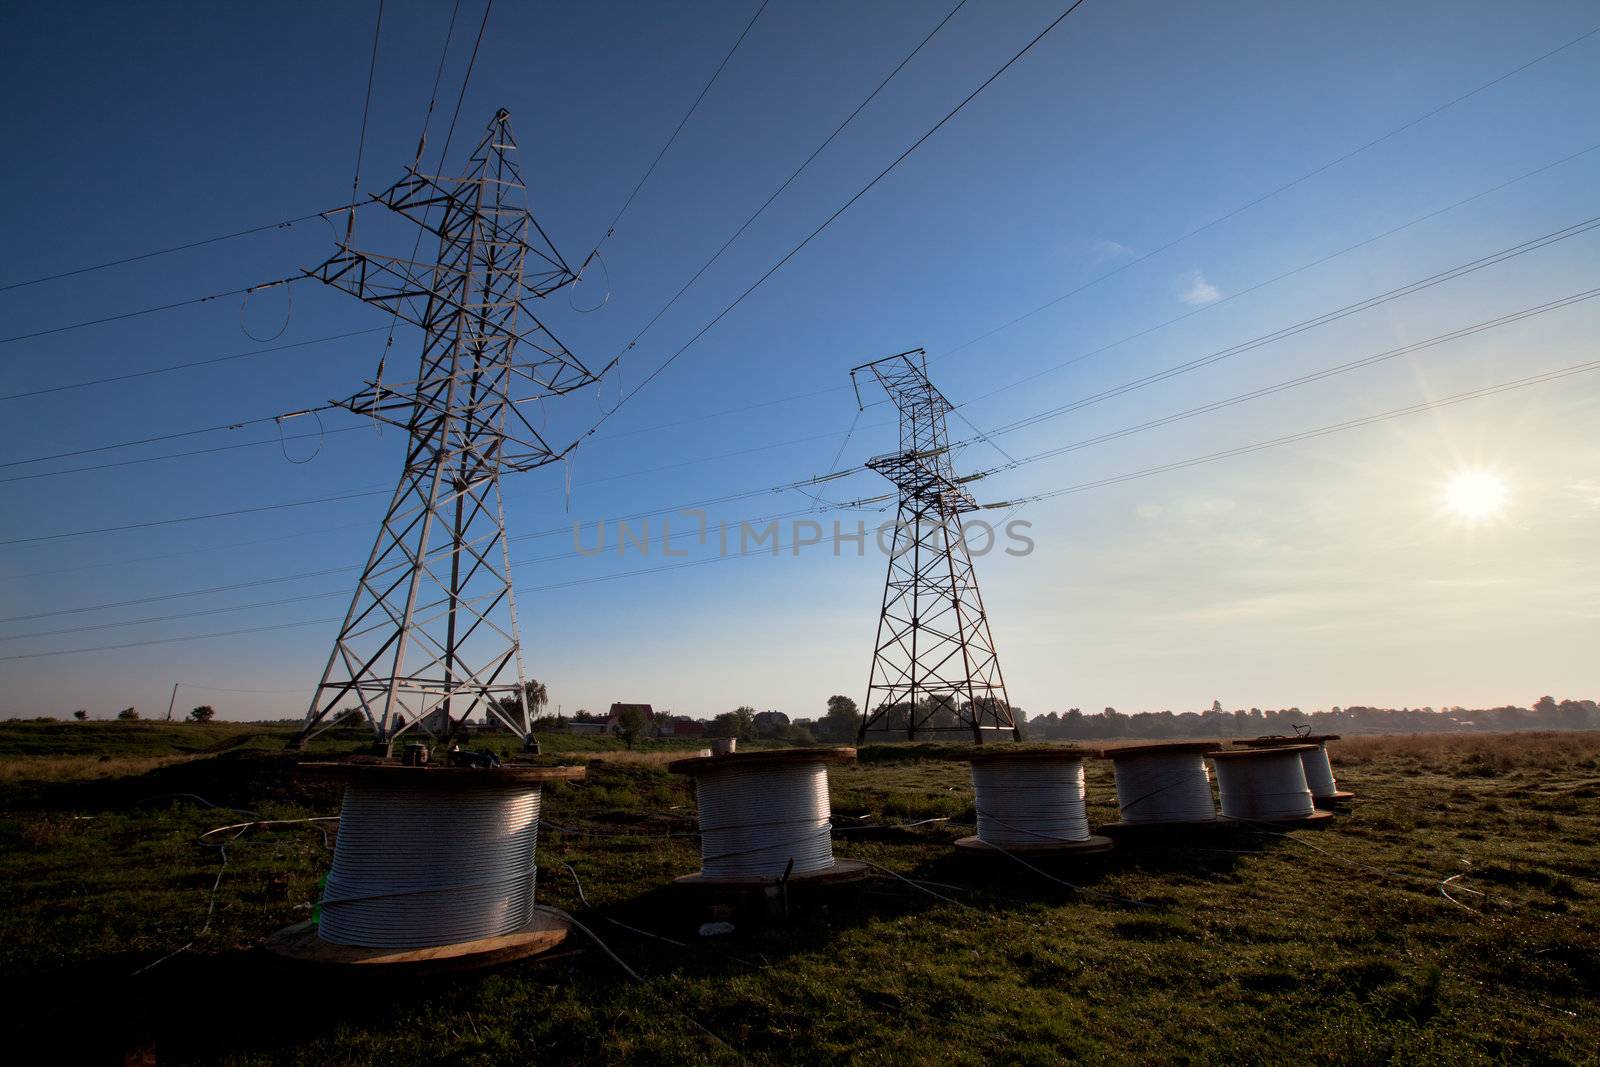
(1315, 946)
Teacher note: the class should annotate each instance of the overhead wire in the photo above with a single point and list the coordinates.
(1263, 198)
(366, 111)
(148, 311)
(748, 222)
(673, 137)
(210, 361)
(778, 545)
(622, 400)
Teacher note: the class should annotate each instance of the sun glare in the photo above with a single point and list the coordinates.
(1475, 495)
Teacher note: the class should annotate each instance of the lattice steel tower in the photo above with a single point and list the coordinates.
(431, 635)
(934, 666)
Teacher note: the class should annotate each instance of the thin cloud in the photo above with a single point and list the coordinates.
(1105, 249)
(1199, 292)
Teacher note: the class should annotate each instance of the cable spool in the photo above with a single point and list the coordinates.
(1325, 791)
(1264, 784)
(765, 817)
(432, 864)
(1031, 800)
(1165, 785)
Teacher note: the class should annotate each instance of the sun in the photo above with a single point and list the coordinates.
(1475, 495)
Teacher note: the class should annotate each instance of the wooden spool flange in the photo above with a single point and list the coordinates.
(300, 943)
(1095, 843)
(841, 873)
(762, 757)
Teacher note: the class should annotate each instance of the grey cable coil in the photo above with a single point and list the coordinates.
(755, 819)
(1163, 787)
(1319, 772)
(1270, 784)
(415, 867)
(1030, 802)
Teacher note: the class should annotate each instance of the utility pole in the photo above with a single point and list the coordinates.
(174, 701)
(431, 634)
(934, 660)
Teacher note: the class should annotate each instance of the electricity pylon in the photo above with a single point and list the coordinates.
(431, 635)
(934, 665)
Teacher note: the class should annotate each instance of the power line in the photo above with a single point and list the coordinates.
(366, 110)
(1305, 379)
(829, 220)
(687, 115)
(1263, 198)
(1280, 277)
(1276, 442)
(1321, 431)
(282, 224)
(1199, 362)
(193, 518)
(210, 361)
(149, 310)
(788, 181)
(1253, 394)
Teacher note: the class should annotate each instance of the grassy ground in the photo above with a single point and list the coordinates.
(1331, 946)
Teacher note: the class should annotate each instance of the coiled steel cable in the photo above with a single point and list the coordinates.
(756, 819)
(1319, 772)
(1030, 801)
(1163, 787)
(1263, 784)
(415, 866)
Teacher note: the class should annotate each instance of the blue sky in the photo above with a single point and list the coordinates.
(1321, 573)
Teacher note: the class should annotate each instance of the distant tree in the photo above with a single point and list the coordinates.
(80, 715)
(537, 696)
(840, 723)
(204, 713)
(128, 714)
(631, 722)
(740, 723)
(798, 735)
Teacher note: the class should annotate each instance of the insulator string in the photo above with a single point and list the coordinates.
(1263, 784)
(417, 867)
(1163, 787)
(1030, 801)
(755, 819)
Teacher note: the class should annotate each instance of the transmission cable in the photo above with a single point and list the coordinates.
(687, 115)
(1369, 420)
(825, 224)
(1276, 278)
(149, 310)
(366, 110)
(190, 365)
(1269, 195)
(1314, 376)
(786, 183)
(1302, 326)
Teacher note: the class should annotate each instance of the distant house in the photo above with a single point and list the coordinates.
(615, 716)
(682, 726)
(768, 723)
(586, 727)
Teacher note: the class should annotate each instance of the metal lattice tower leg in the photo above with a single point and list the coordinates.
(431, 635)
(934, 665)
